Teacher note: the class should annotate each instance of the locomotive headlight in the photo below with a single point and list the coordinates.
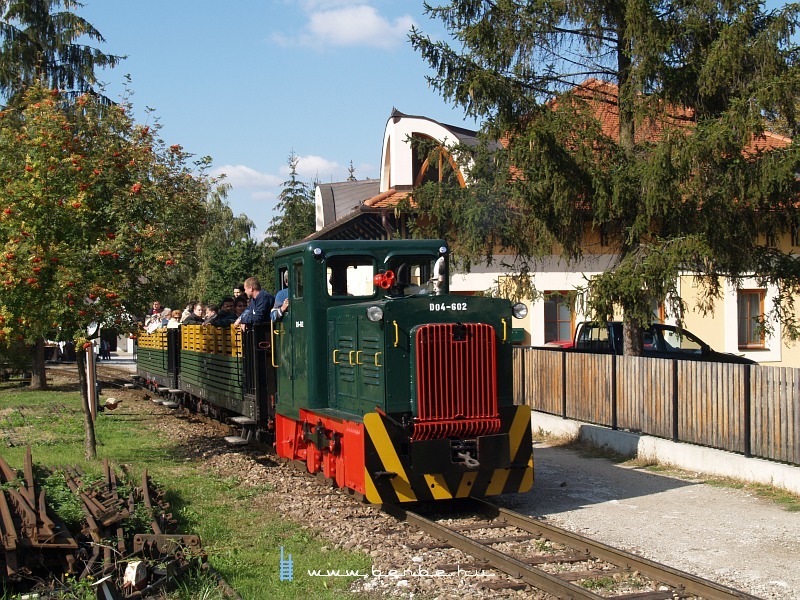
(519, 310)
(375, 313)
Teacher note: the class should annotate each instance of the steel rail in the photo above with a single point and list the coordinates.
(683, 584)
(680, 580)
(499, 560)
(148, 504)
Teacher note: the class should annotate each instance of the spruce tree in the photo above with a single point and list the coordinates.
(680, 186)
(295, 218)
(226, 253)
(39, 43)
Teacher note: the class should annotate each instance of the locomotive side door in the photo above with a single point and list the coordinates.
(295, 319)
(290, 341)
(343, 332)
(356, 363)
(371, 380)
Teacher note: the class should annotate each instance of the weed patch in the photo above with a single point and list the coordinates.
(240, 533)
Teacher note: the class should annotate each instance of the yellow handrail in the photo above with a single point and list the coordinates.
(335, 360)
(377, 354)
(358, 361)
(396, 334)
(273, 332)
(505, 329)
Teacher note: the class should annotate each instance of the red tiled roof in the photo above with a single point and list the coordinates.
(606, 108)
(604, 96)
(389, 199)
(768, 141)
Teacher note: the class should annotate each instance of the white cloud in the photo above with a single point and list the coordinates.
(243, 176)
(348, 25)
(367, 171)
(264, 196)
(255, 194)
(312, 167)
(310, 6)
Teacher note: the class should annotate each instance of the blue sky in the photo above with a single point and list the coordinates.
(247, 82)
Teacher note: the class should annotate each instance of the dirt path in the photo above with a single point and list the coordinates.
(720, 533)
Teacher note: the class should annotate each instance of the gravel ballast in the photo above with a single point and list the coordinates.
(724, 534)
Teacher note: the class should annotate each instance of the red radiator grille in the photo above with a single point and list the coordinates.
(456, 382)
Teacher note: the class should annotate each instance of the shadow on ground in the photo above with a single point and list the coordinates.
(564, 480)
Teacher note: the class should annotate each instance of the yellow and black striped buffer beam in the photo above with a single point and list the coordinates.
(391, 476)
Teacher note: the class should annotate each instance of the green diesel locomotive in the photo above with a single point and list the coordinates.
(376, 377)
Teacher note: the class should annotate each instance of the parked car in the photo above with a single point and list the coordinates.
(660, 341)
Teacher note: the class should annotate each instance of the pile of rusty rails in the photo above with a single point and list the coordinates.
(42, 556)
(27, 531)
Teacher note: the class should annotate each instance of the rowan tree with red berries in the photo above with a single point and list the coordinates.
(96, 212)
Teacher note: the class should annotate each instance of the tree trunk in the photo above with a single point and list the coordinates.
(631, 337)
(631, 328)
(90, 442)
(626, 95)
(38, 371)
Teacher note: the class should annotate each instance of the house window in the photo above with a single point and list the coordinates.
(795, 233)
(604, 241)
(658, 313)
(751, 313)
(433, 164)
(558, 317)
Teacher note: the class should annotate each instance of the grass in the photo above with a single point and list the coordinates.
(790, 502)
(613, 584)
(600, 583)
(240, 532)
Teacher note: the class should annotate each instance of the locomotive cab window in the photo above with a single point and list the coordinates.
(283, 278)
(298, 280)
(412, 274)
(350, 276)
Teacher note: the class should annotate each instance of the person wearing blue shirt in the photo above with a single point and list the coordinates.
(281, 300)
(261, 303)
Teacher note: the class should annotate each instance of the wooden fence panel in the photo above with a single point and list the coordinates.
(711, 400)
(543, 377)
(775, 413)
(589, 389)
(644, 395)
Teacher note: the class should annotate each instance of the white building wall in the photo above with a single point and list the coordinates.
(397, 159)
(318, 211)
(551, 274)
(772, 341)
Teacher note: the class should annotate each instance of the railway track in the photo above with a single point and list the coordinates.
(572, 566)
(505, 540)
